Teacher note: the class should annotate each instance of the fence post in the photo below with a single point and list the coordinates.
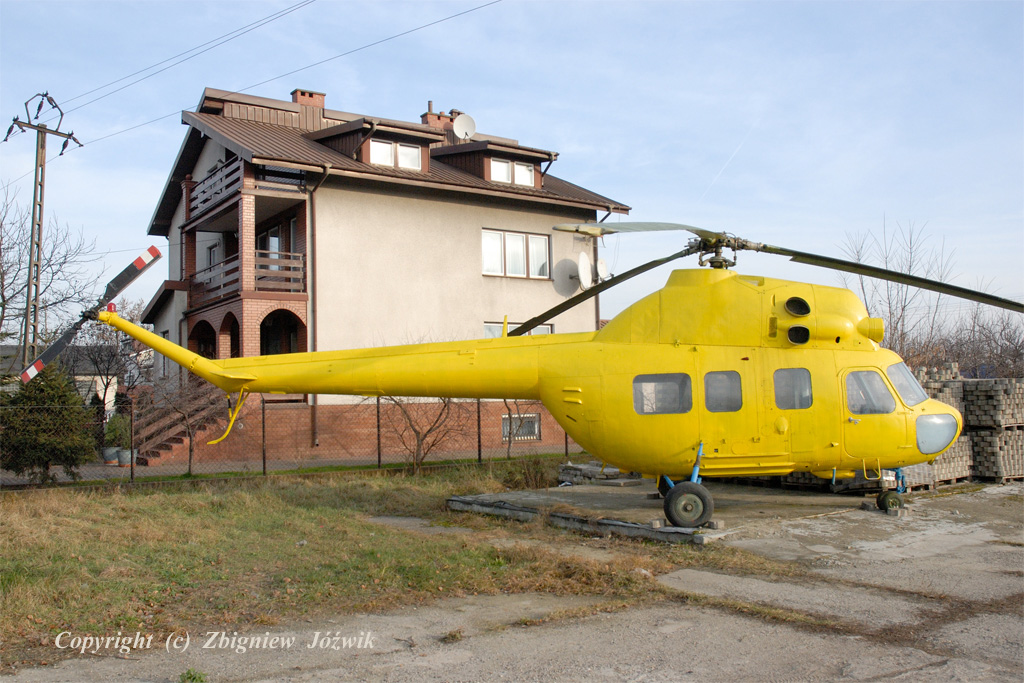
(378, 434)
(479, 437)
(566, 434)
(263, 424)
(131, 439)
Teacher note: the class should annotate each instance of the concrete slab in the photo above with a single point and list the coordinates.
(866, 605)
(735, 506)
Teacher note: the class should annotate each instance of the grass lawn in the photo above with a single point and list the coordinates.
(260, 552)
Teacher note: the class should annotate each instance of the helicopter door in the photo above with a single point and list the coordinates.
(872, 426)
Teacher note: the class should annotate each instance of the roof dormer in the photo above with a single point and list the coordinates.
(386, 144)
(497, 162)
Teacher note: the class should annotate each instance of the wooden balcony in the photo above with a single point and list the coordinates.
(280, 271)
(215, 282)
(276, 271)
(215, 188)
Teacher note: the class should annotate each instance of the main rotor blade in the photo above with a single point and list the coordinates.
(114, 287)
(892, 276)
(597, 289)
(602, 229)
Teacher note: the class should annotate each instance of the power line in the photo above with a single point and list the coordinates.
(220, 40)
(216, 43)
(295, 71)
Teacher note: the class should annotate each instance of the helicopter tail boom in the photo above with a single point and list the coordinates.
(487, 368)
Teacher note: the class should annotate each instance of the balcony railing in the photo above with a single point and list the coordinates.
(276, 271)
(216, 187)
(280, 271)
(215, 282)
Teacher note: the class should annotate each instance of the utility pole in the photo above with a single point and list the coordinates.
(30, 337)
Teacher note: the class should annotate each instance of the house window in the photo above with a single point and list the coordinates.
(501, 171)
(211, 255)
(793, 389)
(525, 427)
(517, 173)
(662, 394)
(493, 330)
(515, 254)
(723, 392)
(523, 174)
(384, 153)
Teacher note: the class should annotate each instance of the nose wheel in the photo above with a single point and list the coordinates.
(889, 500)
(689, 504)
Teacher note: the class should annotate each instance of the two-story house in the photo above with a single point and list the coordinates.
(292, 227)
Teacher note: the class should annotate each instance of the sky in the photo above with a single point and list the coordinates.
(798, 124)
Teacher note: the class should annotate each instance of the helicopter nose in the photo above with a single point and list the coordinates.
(935, 432)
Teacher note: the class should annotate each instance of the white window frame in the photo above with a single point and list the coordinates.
(533, 271)
(505, 175)
(394, 154)
(529, 420)
(494, 330)
(523, 174)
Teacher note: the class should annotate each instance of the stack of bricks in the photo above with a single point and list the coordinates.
(944, 384)
(994, 417)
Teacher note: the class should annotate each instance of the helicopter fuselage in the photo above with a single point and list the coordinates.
(762, 376)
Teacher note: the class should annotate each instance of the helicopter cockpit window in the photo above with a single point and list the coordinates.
(906, 384)
(793, 389)
(866, 394)
(723, 392)
(662, 394)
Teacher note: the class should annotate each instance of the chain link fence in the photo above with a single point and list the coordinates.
(154, 438)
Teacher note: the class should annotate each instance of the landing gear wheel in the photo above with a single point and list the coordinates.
(688, 505)
(889, 500)
(663, 486)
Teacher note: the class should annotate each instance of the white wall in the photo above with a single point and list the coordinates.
(404, 269)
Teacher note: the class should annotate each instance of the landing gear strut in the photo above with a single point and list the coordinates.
(892, 500)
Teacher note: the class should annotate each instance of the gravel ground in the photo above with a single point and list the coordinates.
(937, 595)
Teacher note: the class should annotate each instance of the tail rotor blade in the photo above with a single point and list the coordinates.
(114, 287)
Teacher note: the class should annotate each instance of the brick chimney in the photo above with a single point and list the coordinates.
(438, 119)
(308, 97)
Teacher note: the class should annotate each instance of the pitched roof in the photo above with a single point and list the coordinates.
(271, 132)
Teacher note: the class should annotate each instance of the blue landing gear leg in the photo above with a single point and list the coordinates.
(687, 503)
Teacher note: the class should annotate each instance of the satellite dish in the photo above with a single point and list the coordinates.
(585, 271)
(602, 270)
(464, 126)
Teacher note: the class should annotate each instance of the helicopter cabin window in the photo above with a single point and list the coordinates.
(906, 384)
(524, 427)
(515, 254)
(723, 392)
(662, 394)
(866, 394)
(493, 330)
(793, 389)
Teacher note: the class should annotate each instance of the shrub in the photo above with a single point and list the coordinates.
(45, 423)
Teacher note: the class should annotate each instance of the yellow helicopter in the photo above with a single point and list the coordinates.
(718, 374)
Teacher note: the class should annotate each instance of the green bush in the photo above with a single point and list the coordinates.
(45, 423)
(119, 432)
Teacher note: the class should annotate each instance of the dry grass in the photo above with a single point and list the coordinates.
(256, 552)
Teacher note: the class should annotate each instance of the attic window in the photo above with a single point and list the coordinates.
(517, 173)
(400, 154)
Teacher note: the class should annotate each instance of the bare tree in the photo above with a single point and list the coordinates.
(67, 280)
(421, 425)
(984, 342)
(913, 317)
(108, 353)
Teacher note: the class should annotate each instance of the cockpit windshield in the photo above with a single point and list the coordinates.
(906, 384)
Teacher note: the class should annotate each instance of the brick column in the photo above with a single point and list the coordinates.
(187, 185)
